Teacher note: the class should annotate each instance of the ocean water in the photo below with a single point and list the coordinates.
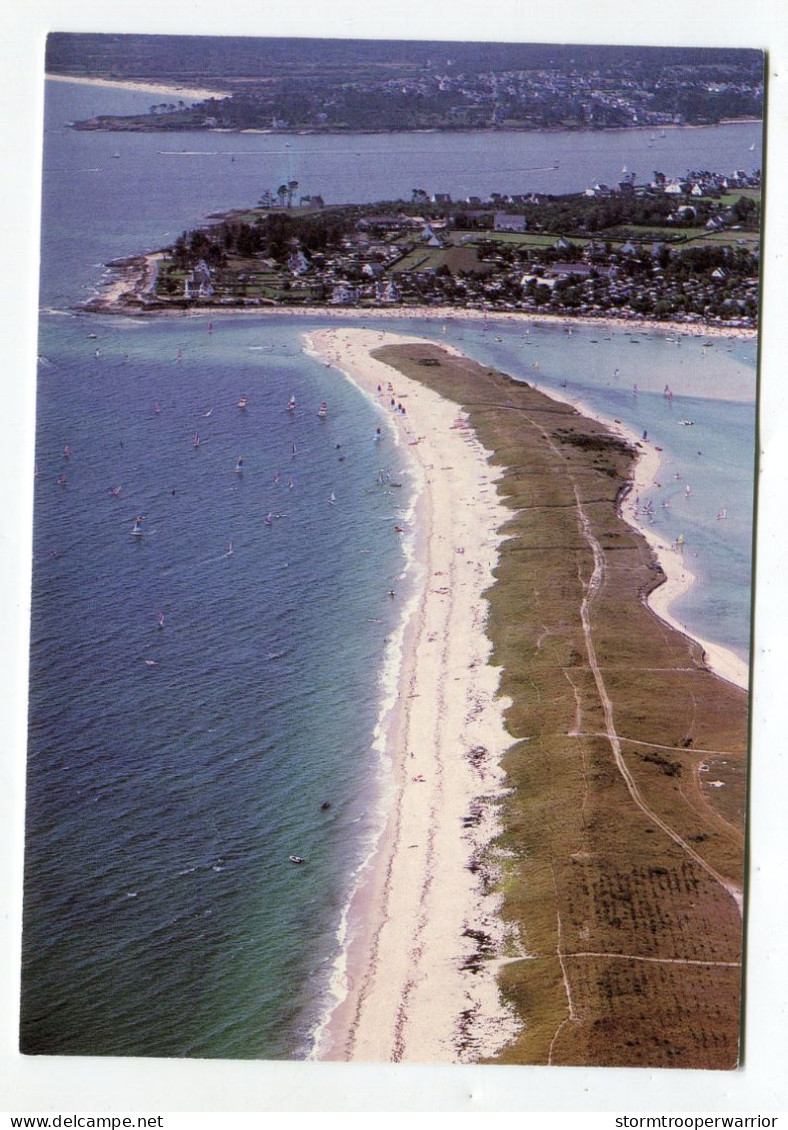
(192, 709)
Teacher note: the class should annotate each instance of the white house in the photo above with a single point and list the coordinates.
(198, 284)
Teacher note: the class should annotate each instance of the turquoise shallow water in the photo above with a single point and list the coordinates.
(174, 769)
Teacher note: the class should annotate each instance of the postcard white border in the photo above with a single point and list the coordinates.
(41, 1085)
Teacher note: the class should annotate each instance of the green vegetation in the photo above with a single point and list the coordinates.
(675, 257)
(606, 906)
(356, 85)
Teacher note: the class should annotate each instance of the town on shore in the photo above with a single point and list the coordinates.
(335, 86)
(678, 250)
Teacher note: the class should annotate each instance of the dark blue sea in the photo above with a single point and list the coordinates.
(204, 695)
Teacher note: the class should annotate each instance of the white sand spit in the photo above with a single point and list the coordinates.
(413, 988)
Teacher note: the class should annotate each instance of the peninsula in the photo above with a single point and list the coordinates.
(335, 86)
(585, 908)
(680, 250)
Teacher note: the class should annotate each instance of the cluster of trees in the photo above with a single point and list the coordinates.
(697, 104)
(654, 278)
(295, 104)
(272, 236)
(406, 85)
(580, 213)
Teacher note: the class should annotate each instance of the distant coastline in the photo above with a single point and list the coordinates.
(142, 86)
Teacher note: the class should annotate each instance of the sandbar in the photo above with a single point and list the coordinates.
(416, 990)
(610, 853)
(197, 94)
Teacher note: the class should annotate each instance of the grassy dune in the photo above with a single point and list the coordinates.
(618, 858)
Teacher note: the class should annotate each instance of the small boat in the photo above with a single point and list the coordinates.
(242, 403)
(196, 440)
(137, 527)
(161, 619)
(322, 411)
(296, 859)
(239, 466)
(291, 404)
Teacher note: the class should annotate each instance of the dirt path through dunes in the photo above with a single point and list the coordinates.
(592, 588)
(621, 854)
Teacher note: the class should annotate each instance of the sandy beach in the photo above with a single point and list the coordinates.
(141, 292)
(412, 989)
(425, 942)
(678, 576)
(195, 93)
